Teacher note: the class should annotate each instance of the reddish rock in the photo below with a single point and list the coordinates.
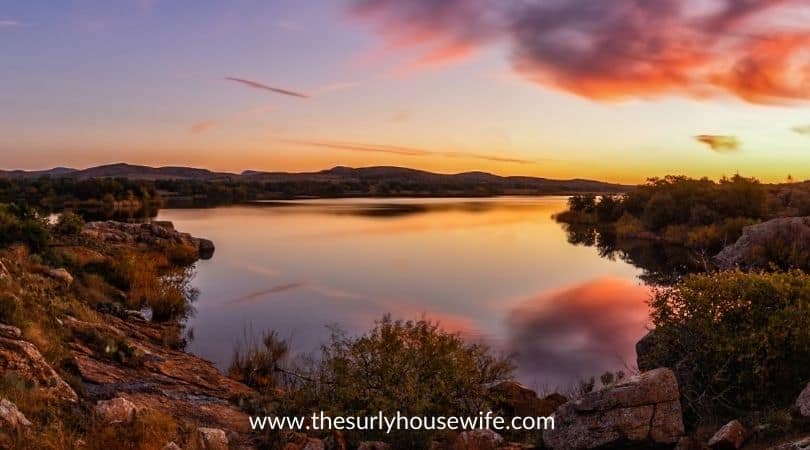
(22, 359)
(212, 439)
(642, 410)
(117, 410)
(731, 437)
(11, 418)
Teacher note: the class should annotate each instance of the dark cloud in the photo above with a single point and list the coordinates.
(580, 331)
(406, 151)
(718, 143)
(615, 49)
(257, 85)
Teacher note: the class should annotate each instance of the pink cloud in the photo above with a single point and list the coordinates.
(755, 50)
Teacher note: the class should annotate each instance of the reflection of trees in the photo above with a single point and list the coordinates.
(662, 263)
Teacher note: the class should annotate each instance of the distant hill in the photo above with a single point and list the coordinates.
(340, 174)
(421, 177)
(123, 170)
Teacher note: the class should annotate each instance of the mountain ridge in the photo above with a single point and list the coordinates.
(337, 173)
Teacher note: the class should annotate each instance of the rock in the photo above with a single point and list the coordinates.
(164, 223)
(60, 274)
(171, 446)
(691, 443)
(21, 358)
(7, 331)
(747, 253)
(803, 403)
(642, 410)
(212, 439)
(313, 444)
(11, 418)
(373, 445)
(206, 248)
(643, 349)
(156, 234)
(514, 399)
(478, 440)
(798, 444)
(4, 273)
(181, 385)
(335, 441)
(731, 437)
(117, 410)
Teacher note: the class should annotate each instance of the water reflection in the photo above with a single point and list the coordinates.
(661, 263)
(579, 331)
(297, 267)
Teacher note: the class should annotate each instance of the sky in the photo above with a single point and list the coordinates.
(617, 90)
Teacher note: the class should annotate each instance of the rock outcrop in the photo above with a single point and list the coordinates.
(802, 405)
(642, 410)
(751, 252)
(155, 235)
(731, 436)
(22, 359)
(173, 382)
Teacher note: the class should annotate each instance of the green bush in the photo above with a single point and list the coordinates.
(739, 342)
(69, 223)
(21, 225)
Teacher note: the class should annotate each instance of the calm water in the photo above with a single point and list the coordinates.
(500, 270)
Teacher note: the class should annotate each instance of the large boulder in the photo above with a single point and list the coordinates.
(642, 410)
(803, 403)
(731, 436)
(514, 399)
(117, 410)
(755, 248)
(22, 359)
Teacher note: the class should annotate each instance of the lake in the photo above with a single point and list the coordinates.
(499, 270)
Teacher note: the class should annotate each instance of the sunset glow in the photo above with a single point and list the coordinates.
(616, 90)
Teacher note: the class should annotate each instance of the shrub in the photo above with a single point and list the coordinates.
(257, 365)
(22, 225)
(413, 367)
(69, 223)
(739, 342)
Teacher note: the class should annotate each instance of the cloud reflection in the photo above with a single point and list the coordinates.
(581, 330)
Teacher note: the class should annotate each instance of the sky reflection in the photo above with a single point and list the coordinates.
(499, 270)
